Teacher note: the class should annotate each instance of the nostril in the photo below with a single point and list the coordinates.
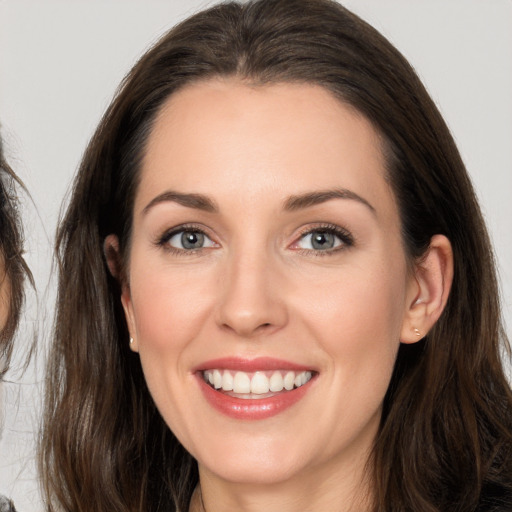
(263, 328)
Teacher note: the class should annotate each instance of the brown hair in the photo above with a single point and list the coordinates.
(13, 269)
(445, 441)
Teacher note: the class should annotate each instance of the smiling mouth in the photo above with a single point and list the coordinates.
(255, 385)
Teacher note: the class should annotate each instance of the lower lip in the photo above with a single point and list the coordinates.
(252, 409)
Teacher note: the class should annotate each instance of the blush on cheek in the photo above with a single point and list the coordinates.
(169, 302)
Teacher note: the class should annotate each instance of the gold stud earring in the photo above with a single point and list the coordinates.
(131, 340)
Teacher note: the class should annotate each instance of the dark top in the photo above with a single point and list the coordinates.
(6, 505)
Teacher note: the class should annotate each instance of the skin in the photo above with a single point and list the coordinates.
(259, 288)
(5, 293)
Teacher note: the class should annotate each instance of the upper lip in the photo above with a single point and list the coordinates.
(251, 365)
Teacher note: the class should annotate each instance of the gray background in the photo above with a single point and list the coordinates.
(61, 61)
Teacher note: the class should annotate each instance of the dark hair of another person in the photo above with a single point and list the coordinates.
(13, 269)
(445, 439)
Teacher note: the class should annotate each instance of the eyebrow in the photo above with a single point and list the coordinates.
(197, 201)
(309, 199)
(293, 203)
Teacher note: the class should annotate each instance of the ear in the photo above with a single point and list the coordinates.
(428, 290)
(116, 268)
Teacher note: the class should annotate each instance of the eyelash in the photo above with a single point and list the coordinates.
(346, 238)
(163, 240)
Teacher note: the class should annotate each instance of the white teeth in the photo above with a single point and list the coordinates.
(289, 379)
(227, 381)
(276, 382)
(260, 383)
(217, 379)
(241, 383)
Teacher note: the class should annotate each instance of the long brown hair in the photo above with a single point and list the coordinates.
(445, 440)
(13, 268)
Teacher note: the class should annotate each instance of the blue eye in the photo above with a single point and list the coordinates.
(189, 240)
(323, 239)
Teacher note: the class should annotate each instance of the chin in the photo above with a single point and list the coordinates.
(252, 459)
(243, 471)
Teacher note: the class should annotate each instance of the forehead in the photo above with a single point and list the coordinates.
(226, 137)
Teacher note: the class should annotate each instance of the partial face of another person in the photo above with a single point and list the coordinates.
(268, 287)
(5, 293)
(5, 297)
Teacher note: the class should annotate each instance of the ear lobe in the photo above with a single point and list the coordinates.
(126, 301)
(429, 293)
(115, 266)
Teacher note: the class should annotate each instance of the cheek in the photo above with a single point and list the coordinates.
(356, 319)
(364, 302)
(169, 307)
(355, 322)
(170, 312)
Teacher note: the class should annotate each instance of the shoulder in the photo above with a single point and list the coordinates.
(6, 505)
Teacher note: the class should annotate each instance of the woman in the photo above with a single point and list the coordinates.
(276, 288)
(13, 266)
(13, 270)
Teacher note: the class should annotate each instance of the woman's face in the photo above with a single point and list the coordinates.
(265, 255)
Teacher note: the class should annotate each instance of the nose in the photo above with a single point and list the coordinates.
(252, 302)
